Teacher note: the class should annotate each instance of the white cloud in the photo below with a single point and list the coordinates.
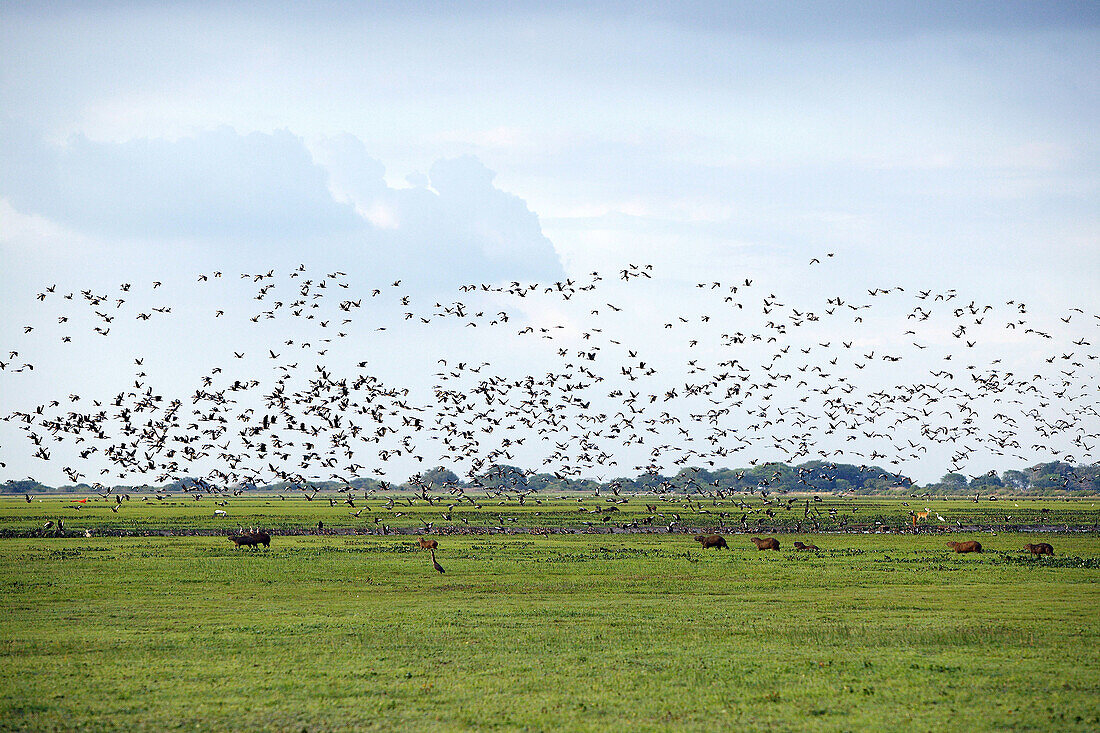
(267, 192)
(453, 222)
(215, 184)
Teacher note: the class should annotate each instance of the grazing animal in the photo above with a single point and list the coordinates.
(428, 544)
(711, 540)
(768, 543)
(1040, 548)
(261, 538)
(801, 546)
(243, 539)
(920, 515)
(968, 546)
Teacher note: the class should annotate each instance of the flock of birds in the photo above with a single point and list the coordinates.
(579, 383)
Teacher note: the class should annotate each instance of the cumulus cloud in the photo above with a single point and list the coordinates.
(225, 188)
(452, 221)
(215, 184)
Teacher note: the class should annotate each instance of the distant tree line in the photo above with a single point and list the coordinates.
(1043, 479)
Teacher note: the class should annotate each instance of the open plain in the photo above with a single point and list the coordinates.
(575, 629)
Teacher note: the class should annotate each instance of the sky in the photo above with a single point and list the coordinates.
(930, 145)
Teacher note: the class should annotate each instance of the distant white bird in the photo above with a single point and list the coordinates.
(219, 512)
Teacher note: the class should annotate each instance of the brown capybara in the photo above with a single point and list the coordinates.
(246, 540)
(768, 543)
(260, 537)
(429, 544)
(1040, 548)
(711, 540)
(968, 546)
(801, 546)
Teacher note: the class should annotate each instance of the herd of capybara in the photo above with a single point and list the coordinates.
(771, 543)
(253, 537)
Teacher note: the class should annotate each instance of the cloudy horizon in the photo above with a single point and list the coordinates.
(924, 145)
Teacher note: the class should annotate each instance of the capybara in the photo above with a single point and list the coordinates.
(243, 539)
(768, 543)
(261, 538)
(1040, 548)
(968, 546)
(711, 540)
(801, 546)
(429, 544)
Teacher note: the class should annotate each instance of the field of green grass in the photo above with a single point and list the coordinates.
(182, 513)
(566, 632)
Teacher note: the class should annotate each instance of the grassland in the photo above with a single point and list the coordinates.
(182, 514)
(561, 632)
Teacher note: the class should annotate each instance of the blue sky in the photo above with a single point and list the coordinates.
(937, 145)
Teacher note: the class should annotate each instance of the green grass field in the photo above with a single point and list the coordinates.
(566, 632)
(181, 513)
